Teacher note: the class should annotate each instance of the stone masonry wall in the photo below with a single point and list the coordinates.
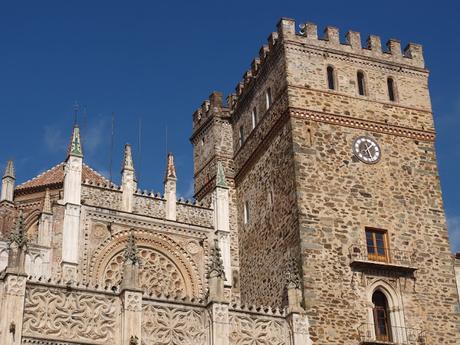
(339, 196)
(265, 179)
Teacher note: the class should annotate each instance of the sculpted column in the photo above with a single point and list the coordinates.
(131, 296)
(222, 221)
(14, 287)
(217, 306)
(72, 202)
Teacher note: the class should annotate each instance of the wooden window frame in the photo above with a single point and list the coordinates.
(374, 255)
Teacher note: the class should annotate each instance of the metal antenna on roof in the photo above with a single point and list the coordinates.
(111, 146)
(139, 147)
(166, 139)
(76, 107)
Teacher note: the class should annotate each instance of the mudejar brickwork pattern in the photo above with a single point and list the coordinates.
(317, 220)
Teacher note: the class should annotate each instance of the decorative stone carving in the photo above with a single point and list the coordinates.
(15, 285)
(59, 314)
(133, 302)
(157, 273)
(165, 325)
(257, 331)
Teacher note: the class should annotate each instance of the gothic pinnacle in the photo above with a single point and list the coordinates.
(216, 267)
(9, 170)
(18, 236)
(131, 252)
(170, 168)
(47, 202)
(75, 148)
(128, 158)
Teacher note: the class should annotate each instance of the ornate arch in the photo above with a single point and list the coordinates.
(395, 305)
(31, 224)
(165, 267)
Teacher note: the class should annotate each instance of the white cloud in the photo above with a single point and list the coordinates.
(453, 223)
(98, 128)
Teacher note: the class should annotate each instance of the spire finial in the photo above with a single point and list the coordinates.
(128, 158)
(131, 254)
(75, 148)
(170, 168)
(47, 202)
(18, 236)
(9, 170)
(216, 267)
(220, 177)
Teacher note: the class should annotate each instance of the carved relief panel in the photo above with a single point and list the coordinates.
(71, 315)
(162, 325)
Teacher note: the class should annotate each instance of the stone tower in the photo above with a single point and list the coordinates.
(213, 148)
(333, 168)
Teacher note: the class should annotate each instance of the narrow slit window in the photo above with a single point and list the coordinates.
(268, 98)
(361, 84)
(254, 117)
(246, 212)
(241, 136)
(330, 78)
(391, 89)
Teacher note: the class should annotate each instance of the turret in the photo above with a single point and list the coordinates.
(170, 188)
(8, 180)
(72, 201)
(128, 180)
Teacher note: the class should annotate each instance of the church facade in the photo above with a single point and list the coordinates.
(317, 220)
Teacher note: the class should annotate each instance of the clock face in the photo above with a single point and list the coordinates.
(367, 150)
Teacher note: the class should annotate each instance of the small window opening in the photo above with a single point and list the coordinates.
(361, 84)
(391, 89)
(241, 136)
(254, 117)
(330, 78)
(268, 97)
(246, 212)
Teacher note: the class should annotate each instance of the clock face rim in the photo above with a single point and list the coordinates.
(357, 153)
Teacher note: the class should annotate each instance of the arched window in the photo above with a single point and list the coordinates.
(361, 83)
(331, 78)
(391, 89)
(381, 312)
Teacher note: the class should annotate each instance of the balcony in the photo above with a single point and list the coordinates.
(371, 335)
(372, 258)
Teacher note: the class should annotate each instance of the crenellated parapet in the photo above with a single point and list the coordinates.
(213, 106)
(256, 67)
(412, 55)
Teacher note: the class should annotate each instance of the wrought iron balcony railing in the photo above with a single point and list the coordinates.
(384, 257)
(370, 334)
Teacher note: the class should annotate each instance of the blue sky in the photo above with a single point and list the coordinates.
(157, 62)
